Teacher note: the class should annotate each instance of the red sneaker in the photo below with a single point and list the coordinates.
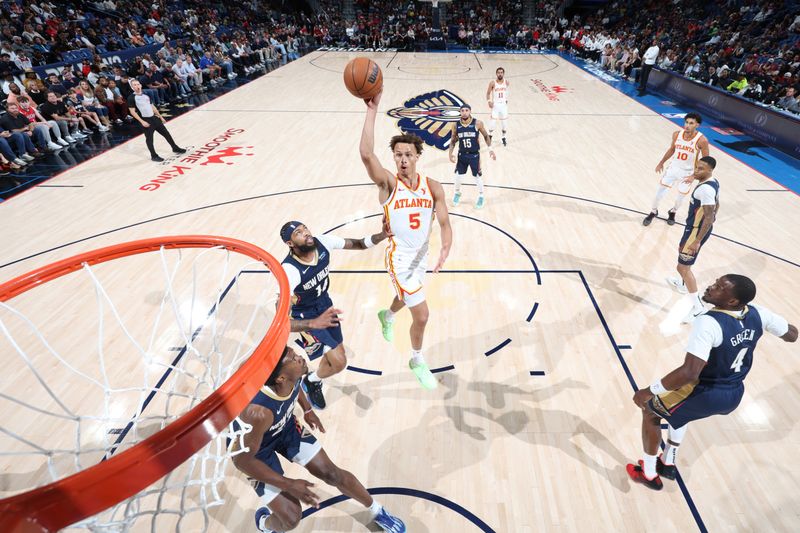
(636, 473)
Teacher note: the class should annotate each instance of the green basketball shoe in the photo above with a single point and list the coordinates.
(424, 375)
(387, 328)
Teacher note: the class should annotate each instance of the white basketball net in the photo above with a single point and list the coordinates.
(101, 359)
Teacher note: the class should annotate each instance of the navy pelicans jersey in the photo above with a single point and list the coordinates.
(468, 142)
(730, 362)
(310, 296)
(694, 219)
(282, 417)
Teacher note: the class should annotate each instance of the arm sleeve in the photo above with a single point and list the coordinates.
(706, 334)
(706, 195)
(772, 322)
(293, 274)
(331, 242)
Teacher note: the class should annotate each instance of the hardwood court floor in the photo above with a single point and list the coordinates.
(557, 264)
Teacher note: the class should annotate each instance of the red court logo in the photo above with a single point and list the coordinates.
(551, 92)
(218, 157)
(199, 156)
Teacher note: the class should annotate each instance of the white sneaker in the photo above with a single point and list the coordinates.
(62, 142)
(20, 162)
(70, 139)
(677, 284)
(27, 157)
(102, 128)
(53, 146)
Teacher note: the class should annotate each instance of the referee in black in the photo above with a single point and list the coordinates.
(151, 120)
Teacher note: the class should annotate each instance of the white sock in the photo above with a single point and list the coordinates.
(457, 180)
(479, 182)
(313, 377)
(389, 315)
(375, 508)
(649, 465)
(673, 443)
(417, 357)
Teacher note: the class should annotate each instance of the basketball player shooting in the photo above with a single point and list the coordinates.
(409, 203)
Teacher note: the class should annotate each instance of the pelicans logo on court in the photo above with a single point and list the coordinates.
(429, 115)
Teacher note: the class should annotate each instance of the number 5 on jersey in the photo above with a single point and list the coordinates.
(413, 220)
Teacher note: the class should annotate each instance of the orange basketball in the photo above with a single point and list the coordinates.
(363, 78)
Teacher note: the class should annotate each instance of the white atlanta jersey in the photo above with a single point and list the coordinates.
(686, 152)
(410, 213)
(500, 92)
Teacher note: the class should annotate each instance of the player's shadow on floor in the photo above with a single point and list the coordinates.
(533, 423)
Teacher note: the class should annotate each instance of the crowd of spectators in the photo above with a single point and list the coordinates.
(203, 45)
(751, 48)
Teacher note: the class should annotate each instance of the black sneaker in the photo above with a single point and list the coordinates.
(504, 142)
(157, 159)
(667, 471)
(636, 473)
(671, 218)
(313, 390)
(179, 150)
(649, 218)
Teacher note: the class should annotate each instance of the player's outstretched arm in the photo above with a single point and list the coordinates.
(366, 148)
(370, 241)
(440, 208)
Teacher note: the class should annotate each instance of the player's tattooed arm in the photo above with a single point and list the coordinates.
(453, 143)
(328, 319)
(370, 241)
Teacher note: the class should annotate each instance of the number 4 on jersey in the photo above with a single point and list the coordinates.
(737, 363)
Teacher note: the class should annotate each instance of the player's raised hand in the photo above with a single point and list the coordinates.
(373, 102)
(328, 319)
(440, 263)
(301, 489)
(313, 421)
